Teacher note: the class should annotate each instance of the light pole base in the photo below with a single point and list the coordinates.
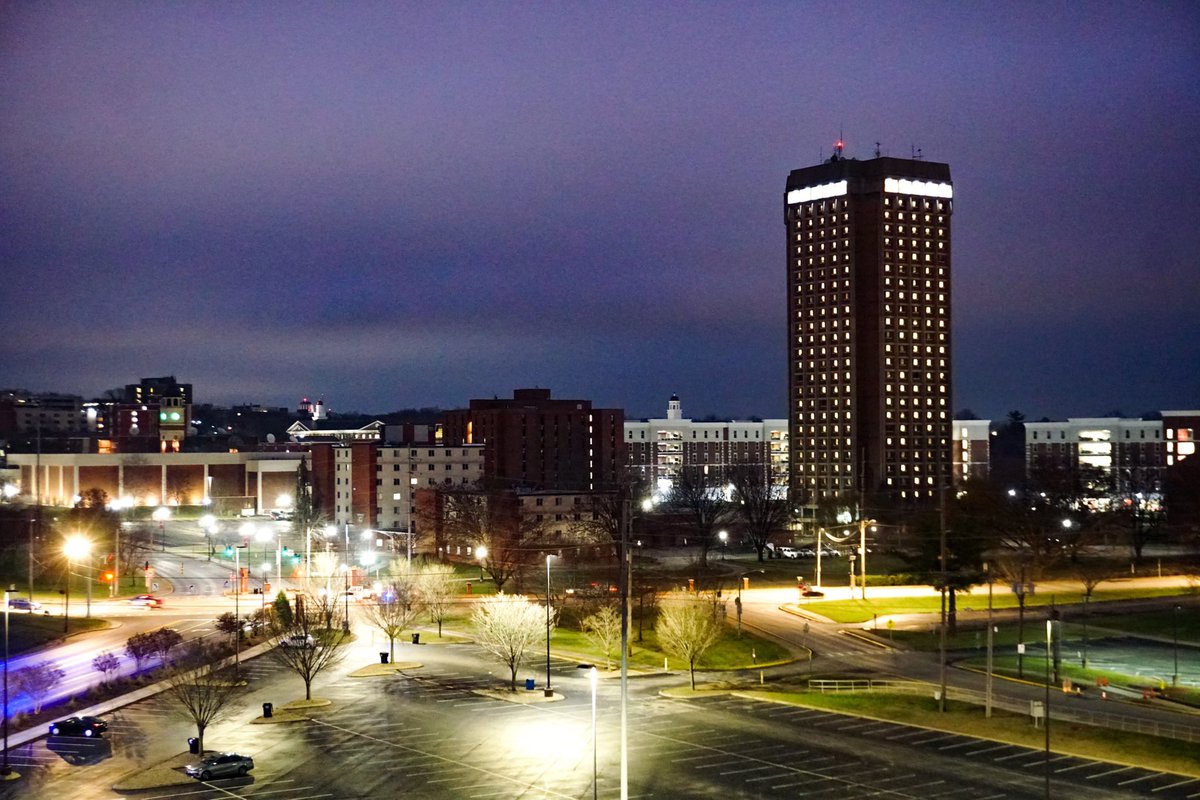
(548, 692)
(10, 775)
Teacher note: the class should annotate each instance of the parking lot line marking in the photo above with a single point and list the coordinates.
(1074, 767)
(1116, 771)
(957, 745)
(1145, 777)
(982, 750)
(747, 769)
(1174, 785)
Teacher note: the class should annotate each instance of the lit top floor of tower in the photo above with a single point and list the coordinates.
(869, 360)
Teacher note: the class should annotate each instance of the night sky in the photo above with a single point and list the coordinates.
(393, 205)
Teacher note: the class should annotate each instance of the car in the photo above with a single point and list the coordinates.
(79, 726)
(830, 552)
(807, 552)
(146, 601)
(298, 640)
(23, 604)
(788, 552)
(219, 765)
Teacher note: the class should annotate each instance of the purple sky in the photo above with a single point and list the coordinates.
(391, 205)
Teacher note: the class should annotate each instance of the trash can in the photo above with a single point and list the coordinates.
(529, 684)
(383, 658)
(193, 745)
(416, 638)
(268, 710)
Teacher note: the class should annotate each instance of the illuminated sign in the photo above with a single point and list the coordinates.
(922, 188)
(811, 193)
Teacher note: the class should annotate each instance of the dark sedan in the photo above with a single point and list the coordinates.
(79, 726)
(220, 765)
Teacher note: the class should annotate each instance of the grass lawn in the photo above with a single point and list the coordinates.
(863, 610)
(31, 631)
(1149, 752)
(730, 652)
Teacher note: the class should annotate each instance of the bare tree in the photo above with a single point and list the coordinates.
(492, 520)
(699, 497)
(164, 640)
(140, 647)
(603, 629)
(106, 664)
(136, 542)
(508, 627)
(393, 611)
(436, 584)
(687, 629)
(307, 646)
(760, 506)
(37, 681)
(197, 689)
(229, 624)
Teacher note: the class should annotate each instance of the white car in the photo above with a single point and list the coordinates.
(788, 552)
(298, 640)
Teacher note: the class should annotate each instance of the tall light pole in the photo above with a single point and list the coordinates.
(724, 537)
(6, 772)
(1046, 720)
(346, 595)
(549, 692)
(481, 553)
(593, 678)
(626, 589)
(1175, 638)
(161, 515)
(74, 548)
(990, 631)
(237, 611)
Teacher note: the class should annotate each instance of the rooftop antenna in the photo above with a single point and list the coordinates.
(919, 156)
(838, 147)
(877, 149)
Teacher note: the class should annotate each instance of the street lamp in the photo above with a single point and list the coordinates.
(549, 692)
(161, 515)
(724, 537)
(6, 772)
(74, 548)
(481, 553)
(264, 534)
(346, 595)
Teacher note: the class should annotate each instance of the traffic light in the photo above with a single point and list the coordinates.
(228, 550)
(286, 552)
(108, 577)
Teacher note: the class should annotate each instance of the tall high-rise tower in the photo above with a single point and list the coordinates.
(869, 409)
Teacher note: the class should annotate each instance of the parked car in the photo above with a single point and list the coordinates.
(807, 552)
(220, 765)
(787, 552)
(829, 552)
(298, 640)
(78, 726)
(23, 604)
(146, 601)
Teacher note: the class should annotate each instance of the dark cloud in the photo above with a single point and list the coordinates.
(413, 205)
